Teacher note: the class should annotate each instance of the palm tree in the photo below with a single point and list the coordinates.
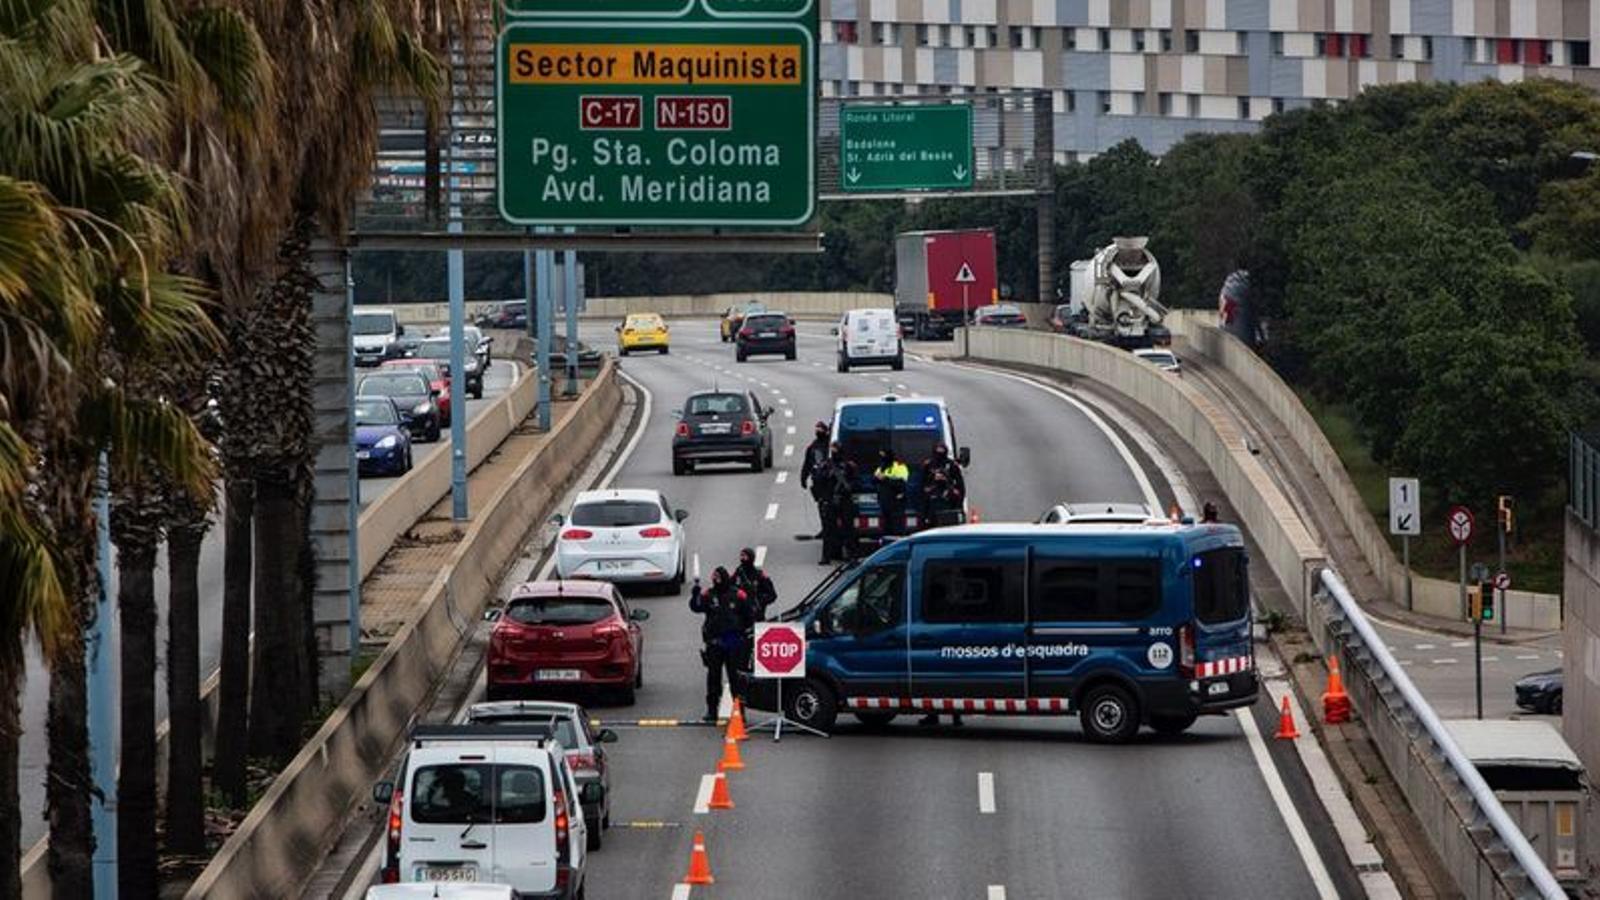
(189, 518)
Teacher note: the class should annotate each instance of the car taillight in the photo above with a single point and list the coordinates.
(586, 761)
(609, 630)
(576, 534)
(1186, 651)
(786, 330)
(683, 429)
(563, 834)
(391, 872)
(655, 532)
(746, 332)
(747, 428)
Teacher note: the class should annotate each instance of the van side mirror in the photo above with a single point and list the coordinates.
(399, 329)
(558, 520)
(383, 792)
(834, 331)
(638, 615)
(493, 613)
(592, 793)
(606, 736)
(964, 456)
(681, 514)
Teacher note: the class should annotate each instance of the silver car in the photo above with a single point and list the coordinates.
(570, 723)
(1108, 513)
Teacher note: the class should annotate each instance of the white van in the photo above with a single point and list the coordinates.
(496, 804)
(869, 337)
(374, 335)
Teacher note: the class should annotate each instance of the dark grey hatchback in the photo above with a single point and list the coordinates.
(721, 426)
(768, 332)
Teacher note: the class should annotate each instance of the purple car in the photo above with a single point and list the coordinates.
(383, 444)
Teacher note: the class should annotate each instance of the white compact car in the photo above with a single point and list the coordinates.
(440, 890)
(479, 803)
(1110, 513)
(622, 536)
(1163, 359)
(869, 337)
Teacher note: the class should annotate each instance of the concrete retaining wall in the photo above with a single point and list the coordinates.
(278, 846)
(1432, 596)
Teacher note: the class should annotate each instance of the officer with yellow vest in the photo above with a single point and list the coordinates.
(890, 478)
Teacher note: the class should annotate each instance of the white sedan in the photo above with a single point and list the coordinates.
(622, 536)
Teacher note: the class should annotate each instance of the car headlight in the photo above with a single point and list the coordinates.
(387, 441)
(420, 409)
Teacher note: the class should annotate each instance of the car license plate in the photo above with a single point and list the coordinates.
(768, 334)
(363, 454)
(715, 429)
(1220, 687)
(613, 565)
(450, 873)
(558, 675)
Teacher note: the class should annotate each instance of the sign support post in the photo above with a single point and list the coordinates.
(1481, 589)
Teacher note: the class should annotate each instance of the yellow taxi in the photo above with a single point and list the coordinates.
(642, 331)
(733, 319)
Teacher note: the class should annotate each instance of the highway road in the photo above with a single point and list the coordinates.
(1025, 808)
(501, 375)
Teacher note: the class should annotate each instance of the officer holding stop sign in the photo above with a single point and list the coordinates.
(729, 615)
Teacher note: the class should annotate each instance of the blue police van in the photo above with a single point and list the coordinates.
(909, 428)
(1122, 625)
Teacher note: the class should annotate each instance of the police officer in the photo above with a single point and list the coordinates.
(812, 471)
(755, 583)
(890, 479)
(943, 486)
(1208, 513)
(839, 516)
(728, 619)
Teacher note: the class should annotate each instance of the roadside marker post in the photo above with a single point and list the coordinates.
(1460, 523)
(1480, 603)
(779, 652)
(1405, 520)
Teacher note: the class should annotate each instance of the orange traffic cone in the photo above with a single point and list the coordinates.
(731, 761)
(699, 863)
(1286, 729)
(720, 799)
(736, 723)
(1335, 702)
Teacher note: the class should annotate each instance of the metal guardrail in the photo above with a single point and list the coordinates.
(1486, 806)
(1583, 480)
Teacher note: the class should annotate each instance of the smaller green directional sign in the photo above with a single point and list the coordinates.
(599, 9)
(905, 148)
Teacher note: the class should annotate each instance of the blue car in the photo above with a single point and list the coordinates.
(383, 443)
(1121, 625)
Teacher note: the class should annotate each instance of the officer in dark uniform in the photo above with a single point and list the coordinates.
(729, 617)
(812, 472)
(943, 486)
(839, 519)
(755, 583)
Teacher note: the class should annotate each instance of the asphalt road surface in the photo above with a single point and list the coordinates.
(1025, 808)
(1441, 666)
(36, 691)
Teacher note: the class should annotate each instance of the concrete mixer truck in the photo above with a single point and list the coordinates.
(1117, 300)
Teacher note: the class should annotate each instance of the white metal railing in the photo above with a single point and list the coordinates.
(1482, 796)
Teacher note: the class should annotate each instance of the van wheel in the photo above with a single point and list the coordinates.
(899, 361)
(1171, 725)
(1109, 715)
(594, 842)
(844, 364)
(813, 704)
(874, 719)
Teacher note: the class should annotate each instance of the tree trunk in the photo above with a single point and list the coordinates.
(185, 790)
(233, 697)
(279, 682)
(10, 757)
(136, 780)
(68, 780)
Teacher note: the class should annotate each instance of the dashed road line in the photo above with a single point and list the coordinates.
(986, 792)
(702, 798)
(782, 477)
(1491, 659)
(790, 429)
(1461, 643)
(1424, 646)
(695, 572)
(681, 891)
(1446, 661)
(1527, 656)
(772, 511)
(788, 449)
(900, 387)
(761, 555)
(783, 401)
(788, 413)
(997, 892)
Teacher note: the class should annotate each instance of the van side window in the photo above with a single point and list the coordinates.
(1221, 585)
(962, 592)
(1095, 591)
(871, 603)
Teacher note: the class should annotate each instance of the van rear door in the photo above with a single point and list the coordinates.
(447, 835)
(1224, 656)
(524, 830)
(968, 637)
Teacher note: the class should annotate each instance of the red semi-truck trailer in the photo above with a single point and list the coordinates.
(941, 276)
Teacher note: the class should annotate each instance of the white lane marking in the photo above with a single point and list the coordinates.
(783, 401)
(1406, 662)
(1424, 647)
(761, 555)
(782, 477)
(997, 892)
(788, 449)
(986, 792)
(1445, 661)
(788, 413)
(680, 891)
(725, 705)
(702, 798)
(1280, 799)
(1461, 643)
(1491, 659)
(1558, 654)
(765, 385)
(1527, 656)
(777, 392)
(1115, 439)
(789, 429)
(772, 511)
(696, 572)
(900, 387)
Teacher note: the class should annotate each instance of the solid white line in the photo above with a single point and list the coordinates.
(788, 449)
(1446, 661)
(681, 891)
(702, 798)
(772, 511)
(997, 892)
(1291, 816)
(986, 792)
(782, 477)
(761, 555)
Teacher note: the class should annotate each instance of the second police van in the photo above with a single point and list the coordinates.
(1122, 625)
(908, 427)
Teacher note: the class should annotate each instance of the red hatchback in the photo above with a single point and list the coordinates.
(560, 636)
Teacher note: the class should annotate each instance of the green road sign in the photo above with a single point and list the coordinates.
(645, 9)
(901, 148)
(644, 123)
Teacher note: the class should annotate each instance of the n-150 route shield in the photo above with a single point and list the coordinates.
(692, 123)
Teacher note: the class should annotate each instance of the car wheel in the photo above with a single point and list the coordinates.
(844, 363)
(1555, 705)
(1171, 725)
(789, 354)
(769, 457)
(477, 392)
(813, 705)
(665, 350)
(433, 431)
(874, 719)
(629, 696)
(595, 840)
(493, 692)
(677, 580)
(1109, 715)
(740, 355)
(679, 467)
(899, 361)
(638, 676)
(407, 466)
(755, 462)
(622, 351)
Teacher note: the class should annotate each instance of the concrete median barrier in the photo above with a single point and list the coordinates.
(1430, 596)
(277, 847)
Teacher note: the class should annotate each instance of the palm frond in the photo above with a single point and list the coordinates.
(140, 433)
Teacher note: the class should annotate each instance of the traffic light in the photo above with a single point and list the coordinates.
(1504, 514)
(1475, 603)
(1486, 592)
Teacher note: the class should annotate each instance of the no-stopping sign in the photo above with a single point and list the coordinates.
(1460, 524)
(779, 650)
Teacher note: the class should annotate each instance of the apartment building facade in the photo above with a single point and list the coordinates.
(1156, 70)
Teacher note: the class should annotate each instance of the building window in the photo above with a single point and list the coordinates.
(1138, 40)
(1072, 101)
(1191, 41)
(1578, 53)
(969, 36)
(1244, 107)
(1035, 37)
(1241, 43)
(1166, 40)
(1069, 38)
(1277, 104)
(1397, 46)
(1277, 43)
(1330, 45)
(922, 35)
(1194, 106)
(1138, 103)
(880, 33)
(1014, 37)
(1536, 53)
(1358, 46)
(991, 36)
(845, 32)
(1427, 47)
(1105, 39)
(1105, 102)
(1164, 103)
